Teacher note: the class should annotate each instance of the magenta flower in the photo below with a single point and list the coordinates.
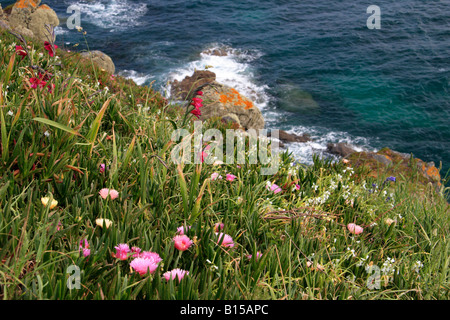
(84, 245)
(258, 255)
(136, 251)
(122, 251)
(175, 273)
(227, 241)
(218, 227)
(143, 265)
(181, 231)
(105, 192)
(297, 187)
(230, 177)
(102, 168)
(199, 93)
(182, 242)
(355, 229)
(151, 255)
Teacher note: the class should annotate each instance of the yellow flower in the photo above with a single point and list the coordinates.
(45, 200)
(100, 222)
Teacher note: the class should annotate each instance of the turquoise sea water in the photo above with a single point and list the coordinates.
(311, 66)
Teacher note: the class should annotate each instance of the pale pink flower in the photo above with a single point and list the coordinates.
(182, 242)
(143, 265)
(86, 252)
(227, 241)
(175, 273)
(218, 227)
(122, 251)
(355, 229)
(105, 192)
(275, 188)
(180, 230)
(230, 177)
(150, 255)
(215, 176)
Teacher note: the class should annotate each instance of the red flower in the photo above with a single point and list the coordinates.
(199, 93)
(196, 112)
(49, 48)
(197, 100)
(21, 52)
(35, 82)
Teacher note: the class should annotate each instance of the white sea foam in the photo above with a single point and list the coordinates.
(114, 14)
(139, 78)
(235, 70)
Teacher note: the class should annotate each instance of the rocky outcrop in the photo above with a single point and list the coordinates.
(291, 137)
(221, 101)
(387, 161)
(102, 60)
(340, 149)
(30, 19)
(181, 89)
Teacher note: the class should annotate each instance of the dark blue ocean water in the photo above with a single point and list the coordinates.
(312, 66)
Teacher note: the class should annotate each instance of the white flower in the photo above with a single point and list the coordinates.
(46, 133)
(10, 113)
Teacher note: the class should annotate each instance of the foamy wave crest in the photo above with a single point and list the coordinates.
(114, 14)
(320, 138)
(139, 78)
(232, 68)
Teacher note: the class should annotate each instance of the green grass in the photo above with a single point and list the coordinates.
(54, 143)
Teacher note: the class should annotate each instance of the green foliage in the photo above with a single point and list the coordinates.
(55, 141)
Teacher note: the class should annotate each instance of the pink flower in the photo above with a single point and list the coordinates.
(49, 48)
(105, 191)
(182, 242)
(355, 229)
(297, 187)
(275, 188)
(215, 176)
(35, 82)
(136, 251)
(230, 177)
(102, 168)
(175, 273)
(203, 156)
(143, 265)
(122, 251)
(218, 227)
(84, 245)
(258, 255)
(180, 230)
(151, 255)
(226, 240)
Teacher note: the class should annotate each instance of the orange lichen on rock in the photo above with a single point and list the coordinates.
(21, 4)
(235, 98)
